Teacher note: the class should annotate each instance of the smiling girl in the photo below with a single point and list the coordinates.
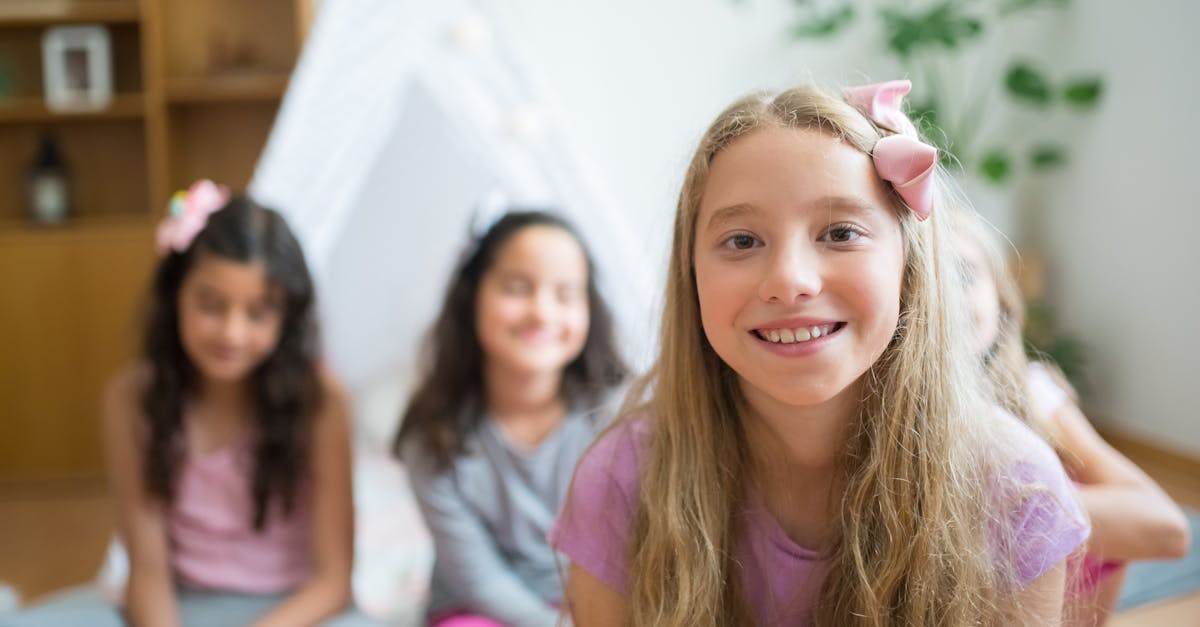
(521, 359)
(811, 450)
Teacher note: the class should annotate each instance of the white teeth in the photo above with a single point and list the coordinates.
(792, 336)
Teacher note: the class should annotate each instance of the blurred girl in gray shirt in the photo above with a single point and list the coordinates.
(520, 373)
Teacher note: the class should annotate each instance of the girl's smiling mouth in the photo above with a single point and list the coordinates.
(789, 333)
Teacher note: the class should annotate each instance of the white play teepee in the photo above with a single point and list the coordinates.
(400, 117)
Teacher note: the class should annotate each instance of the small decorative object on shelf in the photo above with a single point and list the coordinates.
(77, 68)
(227, 55)
(49, 184)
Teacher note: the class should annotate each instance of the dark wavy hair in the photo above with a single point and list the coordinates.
(285, 387)
(451, 382)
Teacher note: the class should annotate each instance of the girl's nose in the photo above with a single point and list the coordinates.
(792, 274)
(235, 328)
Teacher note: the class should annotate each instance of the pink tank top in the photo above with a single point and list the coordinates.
(1046, 398)
(213, 543)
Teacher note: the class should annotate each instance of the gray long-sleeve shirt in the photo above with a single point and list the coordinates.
(489, 513)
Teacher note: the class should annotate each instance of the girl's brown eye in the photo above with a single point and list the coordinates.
(842, 234)
(742, 242)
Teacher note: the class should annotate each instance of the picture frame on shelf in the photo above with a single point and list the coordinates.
(77, 68)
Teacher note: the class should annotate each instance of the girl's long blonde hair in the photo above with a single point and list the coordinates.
(910, 545)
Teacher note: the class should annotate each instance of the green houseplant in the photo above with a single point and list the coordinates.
(931, 41)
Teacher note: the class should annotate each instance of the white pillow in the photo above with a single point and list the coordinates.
(377, 405)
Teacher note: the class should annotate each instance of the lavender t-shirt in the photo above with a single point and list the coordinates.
(781, 577)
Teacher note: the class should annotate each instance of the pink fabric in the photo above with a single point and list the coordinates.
(462, 619)
(213, 543)
(1091, 572)
(902, 160)
(781, 578)
(908, 165)
(1046, 398)
(881, 102)
(1045, 395)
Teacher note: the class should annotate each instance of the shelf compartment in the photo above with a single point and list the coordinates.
(105, 160)
(227, 36)
(220, 141)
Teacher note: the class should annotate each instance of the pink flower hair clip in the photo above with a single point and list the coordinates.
(902, 160)
(189, 213)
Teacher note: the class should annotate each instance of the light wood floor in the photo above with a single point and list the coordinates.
(54, 535)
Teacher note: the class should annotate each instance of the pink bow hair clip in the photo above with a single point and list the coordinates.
(902, 160)
(189, 213)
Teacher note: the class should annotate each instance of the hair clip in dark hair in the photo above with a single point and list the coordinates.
(188, 214)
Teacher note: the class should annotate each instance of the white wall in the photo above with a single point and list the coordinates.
(1122, 225)
(640, 80)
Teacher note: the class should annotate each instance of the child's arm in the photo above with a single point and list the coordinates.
(327, 591)
(591, 601)
(1132, 518)
(149, 596)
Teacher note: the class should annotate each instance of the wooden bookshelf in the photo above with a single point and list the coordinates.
(53, 12)
(197, 84)
(27, 110)
(267, 87)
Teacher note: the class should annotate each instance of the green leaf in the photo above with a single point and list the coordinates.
(1047, 157)
(1027, 84)
(971, 27)
(947, 159)
(946, 25)
(1044, 342)
(995, 167)
(925, 117)
(1084, 93)
(902, 32)
(1070, 353)
(822, 26)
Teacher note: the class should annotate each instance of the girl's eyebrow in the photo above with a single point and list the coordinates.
(849, 204)
(732, 212)
(208, 290)
(507, 274)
